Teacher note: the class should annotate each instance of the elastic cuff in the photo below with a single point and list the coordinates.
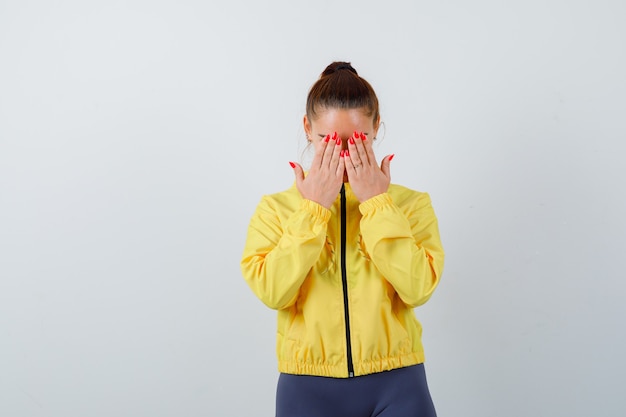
(318, 211)
(375, 202)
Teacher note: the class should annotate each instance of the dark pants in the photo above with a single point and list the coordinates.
(401, 392)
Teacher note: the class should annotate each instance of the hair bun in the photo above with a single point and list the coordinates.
(338, 66)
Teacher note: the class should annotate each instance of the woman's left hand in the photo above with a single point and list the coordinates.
(366, 178)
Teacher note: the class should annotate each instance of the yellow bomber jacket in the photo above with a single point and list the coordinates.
(345, 280)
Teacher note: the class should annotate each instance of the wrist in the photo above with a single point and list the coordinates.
(363, 197)
(374, 202)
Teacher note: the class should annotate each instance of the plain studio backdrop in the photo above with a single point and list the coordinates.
(137, 137)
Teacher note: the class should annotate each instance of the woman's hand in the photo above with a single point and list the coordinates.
(324, 180)
(366, 178)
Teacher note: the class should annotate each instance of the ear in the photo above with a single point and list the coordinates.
(376, 126)
(307, 126)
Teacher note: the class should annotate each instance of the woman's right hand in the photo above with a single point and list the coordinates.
(325, 178)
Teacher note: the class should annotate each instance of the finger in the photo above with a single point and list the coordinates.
(353, 152)
(320, 150)
(361, 154)
(367, 143)
(341, 166)
(385, 165)
(336, 155)
(331, 146)
(298, 172)
(349, 164)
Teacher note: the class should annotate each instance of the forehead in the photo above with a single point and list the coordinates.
(338, 119)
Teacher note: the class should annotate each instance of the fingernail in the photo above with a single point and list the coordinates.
(351, 140)
(327, 138)
(391, 157)
(346, 153)
(335, 136)
(292, 164)
(363, 137)
(338, 141)
(341, 153)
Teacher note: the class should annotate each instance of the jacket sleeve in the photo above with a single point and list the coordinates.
(404, 246)
(277, 257)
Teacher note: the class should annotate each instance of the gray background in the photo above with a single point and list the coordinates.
(137, 137)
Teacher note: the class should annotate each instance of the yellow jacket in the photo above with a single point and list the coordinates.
(345, 280)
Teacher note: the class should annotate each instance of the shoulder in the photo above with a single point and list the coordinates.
(404, 196)
(284, 196)
(286, 200)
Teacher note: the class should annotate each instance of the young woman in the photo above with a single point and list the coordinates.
(345, 256)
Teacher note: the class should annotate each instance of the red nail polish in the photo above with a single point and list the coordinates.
(356, 134)
(338, 141)
(363, 137)
(327, 138)
(351, 140)
(346, 153)
(335, 136)
(341, 154)
(292, 164)
(391, 157)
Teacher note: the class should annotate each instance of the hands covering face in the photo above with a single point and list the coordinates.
(331, 163)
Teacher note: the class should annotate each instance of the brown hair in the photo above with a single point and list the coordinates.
(341, 87)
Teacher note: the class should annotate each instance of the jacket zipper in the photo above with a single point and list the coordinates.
(344, 281)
